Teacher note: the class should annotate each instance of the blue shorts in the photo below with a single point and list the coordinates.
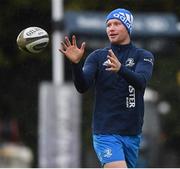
(110, 148)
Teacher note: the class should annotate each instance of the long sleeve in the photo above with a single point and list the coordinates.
(84, 76)
(142, 73)
(78, 77)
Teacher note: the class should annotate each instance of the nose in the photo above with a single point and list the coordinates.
(111, 28)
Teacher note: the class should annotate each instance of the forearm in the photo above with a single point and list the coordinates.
(84, 74)
(137, 80)
(78, 78)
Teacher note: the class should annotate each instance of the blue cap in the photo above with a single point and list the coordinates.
(124, 16)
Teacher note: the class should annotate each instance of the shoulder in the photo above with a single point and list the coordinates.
(101, 51)
(144, 53)
(98, 52)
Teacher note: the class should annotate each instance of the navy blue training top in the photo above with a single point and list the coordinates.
(119, 104)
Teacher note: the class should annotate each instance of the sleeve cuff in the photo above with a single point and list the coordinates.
(122, 69)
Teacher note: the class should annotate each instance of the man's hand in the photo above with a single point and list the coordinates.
(114, 64)
(71, 51)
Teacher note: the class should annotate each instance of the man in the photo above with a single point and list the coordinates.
(120, 74)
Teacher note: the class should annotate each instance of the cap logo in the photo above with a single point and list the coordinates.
(127, 19)
(124, 16)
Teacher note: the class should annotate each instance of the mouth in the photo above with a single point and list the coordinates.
(112, 35)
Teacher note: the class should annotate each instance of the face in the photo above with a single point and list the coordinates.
(117, 32)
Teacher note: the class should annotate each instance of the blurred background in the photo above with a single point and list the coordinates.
(43, 124)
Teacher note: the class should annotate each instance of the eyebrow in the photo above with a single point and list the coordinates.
(115, 21)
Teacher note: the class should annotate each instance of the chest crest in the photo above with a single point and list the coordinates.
(130, 62)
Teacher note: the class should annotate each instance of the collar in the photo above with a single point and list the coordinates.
(121, 47)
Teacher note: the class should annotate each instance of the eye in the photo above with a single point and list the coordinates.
(108, 25)
(117, 23)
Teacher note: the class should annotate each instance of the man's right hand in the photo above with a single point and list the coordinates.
(71, 51)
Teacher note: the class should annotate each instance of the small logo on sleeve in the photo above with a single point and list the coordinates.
(148, 60)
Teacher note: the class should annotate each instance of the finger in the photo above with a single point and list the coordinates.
(68, 43)
(112, 59)
(62, 51)
(111, 53)
(64, 45)
(83, 45)
(74, 40)
(110, 69)
(111, 65)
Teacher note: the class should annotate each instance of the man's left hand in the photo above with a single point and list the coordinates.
(114, 65)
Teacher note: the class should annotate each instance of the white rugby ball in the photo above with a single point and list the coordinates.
(33, 39)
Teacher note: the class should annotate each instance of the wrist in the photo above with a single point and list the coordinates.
(77, 61)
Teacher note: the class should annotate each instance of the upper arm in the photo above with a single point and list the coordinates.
(142, 72)
(145, 65)
(90, 68)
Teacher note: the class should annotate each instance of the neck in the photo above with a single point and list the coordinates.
(121, 45)
(126, 41)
